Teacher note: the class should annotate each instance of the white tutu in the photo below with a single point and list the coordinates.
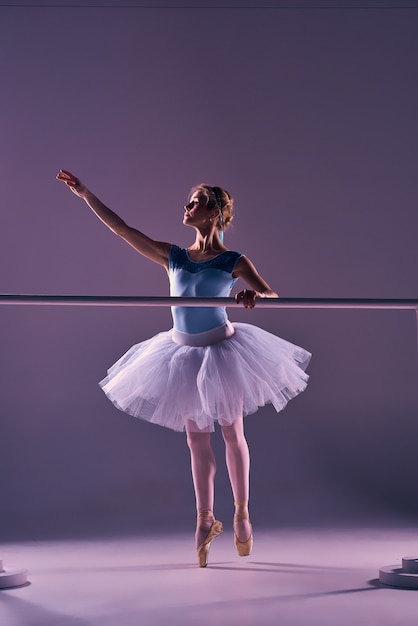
(165, 383)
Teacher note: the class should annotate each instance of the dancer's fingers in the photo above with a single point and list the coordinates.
(247, 297)
(65, 176)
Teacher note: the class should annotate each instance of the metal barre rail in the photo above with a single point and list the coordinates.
(158, 301)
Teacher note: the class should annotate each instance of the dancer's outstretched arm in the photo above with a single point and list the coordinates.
(157, 251)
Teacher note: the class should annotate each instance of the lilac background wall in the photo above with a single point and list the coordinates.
(308, 116)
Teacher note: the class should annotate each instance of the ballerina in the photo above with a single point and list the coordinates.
(205, 369)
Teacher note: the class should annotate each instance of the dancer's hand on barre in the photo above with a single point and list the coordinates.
(73, 183)
(247, 297)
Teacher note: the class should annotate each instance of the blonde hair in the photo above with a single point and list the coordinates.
(217, 197)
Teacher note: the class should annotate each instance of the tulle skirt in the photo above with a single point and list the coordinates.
(165, 383)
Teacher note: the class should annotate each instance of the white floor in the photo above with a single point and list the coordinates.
(293, 578)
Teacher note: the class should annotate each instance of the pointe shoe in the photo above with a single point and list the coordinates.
(241, 513)
(203, 549)
(244, 547)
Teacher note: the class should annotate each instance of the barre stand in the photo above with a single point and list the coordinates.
(391, 575)
(14, 578)
(405, 576)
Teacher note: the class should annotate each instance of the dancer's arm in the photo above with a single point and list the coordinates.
(246, 270)
(157, 251)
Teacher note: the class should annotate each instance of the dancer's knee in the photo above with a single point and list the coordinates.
(198, 441)
(233, 434)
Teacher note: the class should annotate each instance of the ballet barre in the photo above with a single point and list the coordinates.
(159, 301)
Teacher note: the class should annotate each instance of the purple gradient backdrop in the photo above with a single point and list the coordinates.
(309, 118)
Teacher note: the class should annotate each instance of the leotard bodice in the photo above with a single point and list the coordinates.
(194, 279)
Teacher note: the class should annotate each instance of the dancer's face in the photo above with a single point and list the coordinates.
(196, 212)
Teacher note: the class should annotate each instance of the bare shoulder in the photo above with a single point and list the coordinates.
(243, 266)
(246, 270)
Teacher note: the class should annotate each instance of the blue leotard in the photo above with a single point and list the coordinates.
(194, 279)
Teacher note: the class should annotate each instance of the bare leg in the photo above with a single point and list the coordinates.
(238, 463)
(203, 471)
